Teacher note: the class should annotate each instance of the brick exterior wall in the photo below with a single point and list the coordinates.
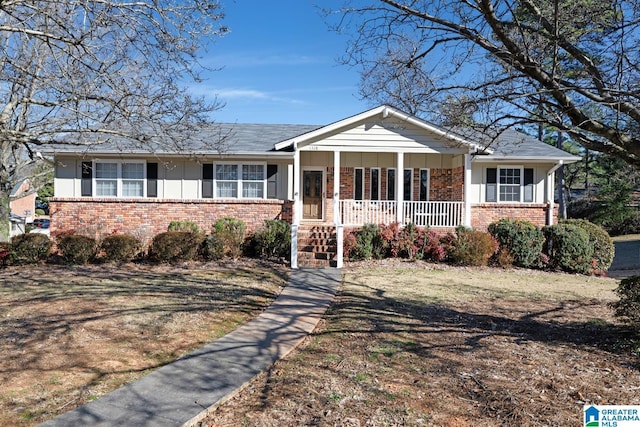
(144, 218)
(445, 185)
(483, 214)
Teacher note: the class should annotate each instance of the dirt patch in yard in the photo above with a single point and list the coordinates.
(69, 335)
(422, 345)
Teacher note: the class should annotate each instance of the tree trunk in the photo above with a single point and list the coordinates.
(5, 225)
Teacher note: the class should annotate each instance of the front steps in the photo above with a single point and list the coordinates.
(317, 245)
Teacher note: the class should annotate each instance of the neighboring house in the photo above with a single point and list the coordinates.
(380, 166)
(22, 202)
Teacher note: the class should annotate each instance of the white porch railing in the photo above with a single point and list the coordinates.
(422, 214)
(360, 212)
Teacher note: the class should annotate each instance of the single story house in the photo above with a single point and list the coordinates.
(379, 166)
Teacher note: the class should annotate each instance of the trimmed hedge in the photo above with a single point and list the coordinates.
(603, 247)
(521, 242)
(471, 247)
(120, 247)
(369, 243)
(273, 240)
(30, 248)
(628, 307)
(77, 249)
(229, 233)
(568, 248)
(175, 246)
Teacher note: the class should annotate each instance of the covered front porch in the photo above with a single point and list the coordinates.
(337, 189)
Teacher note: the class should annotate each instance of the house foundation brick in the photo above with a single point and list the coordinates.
(144, 218)
(484, 214)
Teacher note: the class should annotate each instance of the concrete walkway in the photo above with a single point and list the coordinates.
(182, 392)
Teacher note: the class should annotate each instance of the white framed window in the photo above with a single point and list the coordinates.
(408, 185)
(240, 180)
(253, 181)
(423, 194)
(226, 181)
(358, 184)
(510, 184)
(375, 184)
(391, 184)
(119, 178)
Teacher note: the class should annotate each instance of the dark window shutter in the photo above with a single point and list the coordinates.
(87, 178)
(492, 185)
(152, 180)
(207, 180)
(528, 185)
(272, 181)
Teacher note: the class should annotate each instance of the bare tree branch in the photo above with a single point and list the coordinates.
(571, 64)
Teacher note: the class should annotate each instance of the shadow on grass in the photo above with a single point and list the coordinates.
(60, 300)
(373, 313)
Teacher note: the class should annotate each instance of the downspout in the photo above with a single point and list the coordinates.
(550, 190)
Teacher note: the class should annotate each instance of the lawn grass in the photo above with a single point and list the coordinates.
(418, 344)
(71, 334)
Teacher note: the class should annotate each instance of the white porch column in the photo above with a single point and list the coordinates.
(467, 190)
(400, 187)
(297, 206)
(336, 188)
(296, 210)
(336, 210)
(550, 191)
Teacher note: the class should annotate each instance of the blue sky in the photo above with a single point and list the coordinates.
(279, 65)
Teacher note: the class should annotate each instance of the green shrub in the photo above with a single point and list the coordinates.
(273, 240)
(600, 241)
(471, 247)
(520, 241)
(230, 232)
(120, 247)
(40, 212)
(174, 246)
(77, 249)
(183, 226)
(369, 243)
(568, 248)
(628, 307)
(213, 247)
(30, 248)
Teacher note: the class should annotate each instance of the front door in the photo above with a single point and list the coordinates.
(312, 194)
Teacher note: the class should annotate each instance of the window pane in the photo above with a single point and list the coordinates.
(424, 185)
(510, 176)
(509, 193)
(375, 184)
(131, 188)
(132, 171)
(252, 172)
(107, 170)
(391, 184)
(226, 189)
(106, 187)
(408, 174)
(227, 172)
(359, 184)
(252, 190)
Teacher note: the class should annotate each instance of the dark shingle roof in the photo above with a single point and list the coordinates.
(260, 139)
(228, 138)
(513, 144)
